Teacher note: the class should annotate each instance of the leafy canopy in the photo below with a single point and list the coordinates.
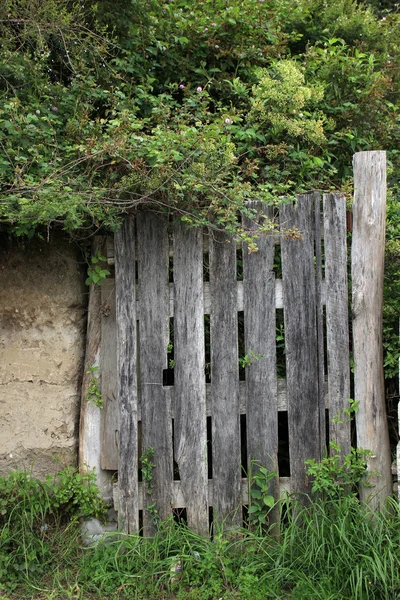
(194, 108)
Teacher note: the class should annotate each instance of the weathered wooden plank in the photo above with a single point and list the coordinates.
(320, 321)
(178, 495)
(337, 325)
(260, 339)
(153, 295)
(190, 425)
(299, 300)
(90, 417)
(240, 297)
(128, 510)
(281, 398)
(225, 419)
(108, 359)
(367, 268)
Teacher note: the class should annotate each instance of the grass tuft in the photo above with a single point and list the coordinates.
(328, 550)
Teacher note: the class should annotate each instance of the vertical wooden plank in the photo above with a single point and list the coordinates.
(260, 334)
(337, 325)
(90, 417)
(153, 296)
(320, 323)
(367, 268)
(128, 513)
(225, 414)
(108, 359)
(190, 390)
(299, 306)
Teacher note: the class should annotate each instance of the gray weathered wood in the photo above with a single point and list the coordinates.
(90, 417)
(128, 514)
(367, 267)
(299, 300)
(153, 295)
(260, 339)
(337, 306)
(225, 419)
(281, 398)
(240, 298)
(108, 360)
(320, 322)
(190, 429)
(178, 494)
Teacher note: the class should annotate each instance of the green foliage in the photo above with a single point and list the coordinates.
(34, 516)
(147, 467)
(248, 359)
(94, 392)
(336, 475)
(193, 109)
(329, 549)
(95, 272)
(261, 502)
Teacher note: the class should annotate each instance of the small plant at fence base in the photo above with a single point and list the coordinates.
(94, 394)
(148, 465)
(261, 502)
(336, 475)
(38, 517)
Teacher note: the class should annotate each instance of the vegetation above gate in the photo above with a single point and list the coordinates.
(193, 108)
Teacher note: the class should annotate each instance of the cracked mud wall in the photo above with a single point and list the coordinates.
(42, 329)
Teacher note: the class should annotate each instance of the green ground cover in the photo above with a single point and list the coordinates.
(330, 547)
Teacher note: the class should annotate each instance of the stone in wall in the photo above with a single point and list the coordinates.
(42, 328)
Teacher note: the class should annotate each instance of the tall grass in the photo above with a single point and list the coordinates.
(331, 550)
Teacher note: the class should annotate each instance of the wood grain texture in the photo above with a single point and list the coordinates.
(225, 417)
(367, 268)
(128, 510)
(190, 425)
(90, 415)
(320, 322)
(337, 322)
(108, 359)
(178, 494)
(281, 398)
(299, 300)
(153, 296)
(260, 339)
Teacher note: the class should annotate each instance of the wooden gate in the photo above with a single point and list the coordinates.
(202, 432)
(193, 375)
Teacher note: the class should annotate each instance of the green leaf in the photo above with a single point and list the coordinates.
(253, 509)
(255, 494)
(269, 501)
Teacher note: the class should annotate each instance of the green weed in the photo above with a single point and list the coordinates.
(332, 548)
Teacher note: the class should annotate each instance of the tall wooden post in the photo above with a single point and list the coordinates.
(367, 265)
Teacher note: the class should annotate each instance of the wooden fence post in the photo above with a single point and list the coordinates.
(367, 267)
